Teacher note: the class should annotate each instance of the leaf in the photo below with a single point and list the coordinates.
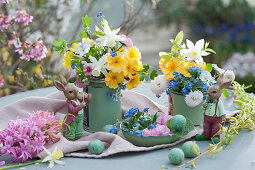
(179, 38)
(154, 118)
(72, 80)
(174, 49)
(153, 74)
(164, 55)
(209, 67)
(71, 42)
(225, 93)
(86, 20)
(146, 67)
(83, 35)
(210, 50)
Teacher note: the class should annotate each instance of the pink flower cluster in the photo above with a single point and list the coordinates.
(2, 163)
(48, 123)
(23, 139)
(5, 22)
(5, 1)
(28, 50)
(1, 82)
(161, 128)
(23, 17)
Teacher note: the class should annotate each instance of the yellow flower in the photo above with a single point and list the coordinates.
(38, 69)
(204, 67)
(11, 79)
(112, 79)
(171, 66)
(132, 67)
(121, 50)
(90, 41)
(75, 46)
(53, 157)
(192, 63)
(183, 69)
(162, 63)
(133, 82)
(133, 53)
(67, 59)
(47, 82)
(117, 63)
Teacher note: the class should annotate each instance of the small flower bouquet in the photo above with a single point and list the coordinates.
(111, 58)
(103, 67)
(185, 75)
(152, 129)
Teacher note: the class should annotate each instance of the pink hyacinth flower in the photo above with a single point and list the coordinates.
(23, 17)
(1, 82)
(128, 42)
(163, 118)
(5, 22)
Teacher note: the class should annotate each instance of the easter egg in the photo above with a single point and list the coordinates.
(110, 129)
(96, 147)
(176, 156)
(178, 122)
(188, 151)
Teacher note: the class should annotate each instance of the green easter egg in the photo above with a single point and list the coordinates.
(96, 147)
(188, 151)
(178, 122)
(176, 156)
(108, 128)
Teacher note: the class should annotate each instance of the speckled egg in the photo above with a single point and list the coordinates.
(178, 122)
(176, 156)
(96, 147)
(187, 149)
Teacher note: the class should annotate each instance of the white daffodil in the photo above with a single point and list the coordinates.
(53, 157)
(206, 76)
(220, 70)
(110, 37)
(229, 76)
(193, 99)
(195, 52)
(98, 65)
(159, 84)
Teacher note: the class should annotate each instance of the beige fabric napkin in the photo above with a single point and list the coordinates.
(56, 102)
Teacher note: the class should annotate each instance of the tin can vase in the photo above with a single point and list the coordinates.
(101, 110)
(177, 105)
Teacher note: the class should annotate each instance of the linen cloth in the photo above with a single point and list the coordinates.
(56, 102)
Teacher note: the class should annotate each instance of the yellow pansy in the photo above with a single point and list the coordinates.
(112, 79)
(133, 82)
(132, 67)
(171, 65)
(75, 46)
(117, 63)
(133, 53)
(67, 59)
(90, 41)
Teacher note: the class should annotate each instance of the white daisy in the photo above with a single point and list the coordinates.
(53, 157)
(229, 76)
(159, 84)
(195, 52)
(193, 99)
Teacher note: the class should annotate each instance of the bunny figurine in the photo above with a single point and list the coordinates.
(214, 109)
(76, 101)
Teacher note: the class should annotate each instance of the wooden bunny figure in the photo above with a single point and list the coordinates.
(214, 110)
(76, 101)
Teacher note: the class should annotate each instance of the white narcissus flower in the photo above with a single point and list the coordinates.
(53, 157)
(229, 76)
(98, 66)
(206, 76)
(159, 84)
(195, 52)
(220, 70)
(110, 37)
(193, 99)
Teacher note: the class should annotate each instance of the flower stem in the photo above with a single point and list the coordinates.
(21, 165)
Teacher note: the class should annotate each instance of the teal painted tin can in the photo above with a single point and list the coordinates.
(101, 110)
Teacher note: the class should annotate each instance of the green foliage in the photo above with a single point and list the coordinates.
(225, 92)
(59, 45)
(209, 67)
(146, 74)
